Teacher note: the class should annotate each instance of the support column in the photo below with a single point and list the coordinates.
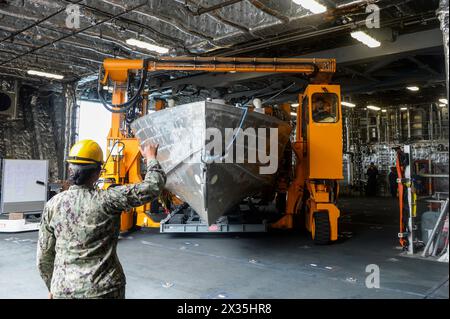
(442, 14)
(408, 120)
(71, 125)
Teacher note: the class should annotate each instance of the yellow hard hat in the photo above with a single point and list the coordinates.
(85, 152)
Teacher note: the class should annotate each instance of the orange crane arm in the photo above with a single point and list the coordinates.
(320, 69)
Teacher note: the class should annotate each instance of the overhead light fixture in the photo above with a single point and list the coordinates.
(383, 110)
(148, 46)
(413, 88)
(46, 75)
(403, 108)
(293, 114)
(442, 105)
(366, 39)
(373, 107)
(443, 101)
(348, 104)
(295, 105)
(311, 5)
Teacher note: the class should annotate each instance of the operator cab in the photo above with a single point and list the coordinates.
(322, 131)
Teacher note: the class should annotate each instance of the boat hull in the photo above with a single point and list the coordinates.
(209, 163)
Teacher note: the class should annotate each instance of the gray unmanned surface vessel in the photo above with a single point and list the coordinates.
(212, 180)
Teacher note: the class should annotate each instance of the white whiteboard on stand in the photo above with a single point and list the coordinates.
(24, 185)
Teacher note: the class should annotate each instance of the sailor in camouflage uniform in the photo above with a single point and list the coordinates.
(80, 227)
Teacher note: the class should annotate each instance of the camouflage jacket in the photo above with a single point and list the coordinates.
(76, 253)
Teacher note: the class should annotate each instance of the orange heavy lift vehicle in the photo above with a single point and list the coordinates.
(311, 193)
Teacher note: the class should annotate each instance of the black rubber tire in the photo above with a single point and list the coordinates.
(322, 228)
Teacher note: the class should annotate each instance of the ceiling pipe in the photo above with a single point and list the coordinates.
(201, 11)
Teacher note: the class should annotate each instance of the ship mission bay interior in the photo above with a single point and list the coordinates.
(224, 149)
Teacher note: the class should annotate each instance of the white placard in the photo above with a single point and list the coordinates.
(24, 181)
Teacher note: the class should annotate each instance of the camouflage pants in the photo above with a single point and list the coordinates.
(119, 293)
(115, 294)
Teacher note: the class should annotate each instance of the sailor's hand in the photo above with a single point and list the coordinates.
(50, 295)
(149, 151)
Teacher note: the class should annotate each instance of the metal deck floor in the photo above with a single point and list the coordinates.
(267, 265)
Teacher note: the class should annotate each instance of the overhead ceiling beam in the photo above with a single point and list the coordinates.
(379, 92)
(290, 37)
(381, 64)
(270, 11)
(391, 84)
(348, 55)
(354, 72)
(424, 66)
(405, 43)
